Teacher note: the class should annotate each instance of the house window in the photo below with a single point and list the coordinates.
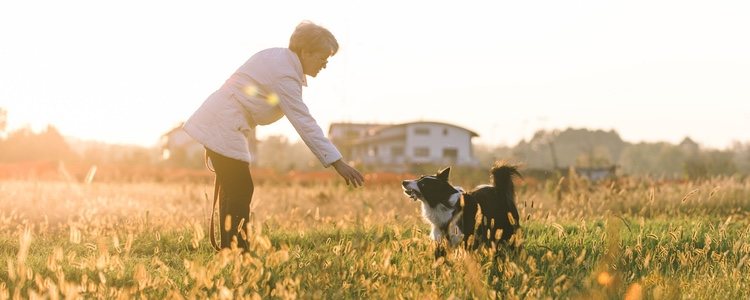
(422, 152)
(351, 134)
(373, 151)
(421, 131)
(397, 151)
(450, 154)
(445, 131)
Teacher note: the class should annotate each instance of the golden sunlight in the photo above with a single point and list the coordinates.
(250, 90)
(272, 99)
(604, 278)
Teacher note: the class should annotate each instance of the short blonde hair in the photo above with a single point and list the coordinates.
(311, 37)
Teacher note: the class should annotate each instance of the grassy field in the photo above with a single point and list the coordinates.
(633, 239)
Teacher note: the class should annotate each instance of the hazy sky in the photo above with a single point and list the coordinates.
(127, 71)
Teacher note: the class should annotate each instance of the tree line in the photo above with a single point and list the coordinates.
(546, 150)
(585, 148)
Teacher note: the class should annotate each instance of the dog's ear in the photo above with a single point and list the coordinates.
(443, 175)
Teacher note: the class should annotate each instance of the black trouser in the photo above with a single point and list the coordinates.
(235, 186)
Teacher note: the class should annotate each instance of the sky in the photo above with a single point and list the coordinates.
(127, 71)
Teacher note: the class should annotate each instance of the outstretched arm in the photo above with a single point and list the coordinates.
(290, 94)
(290, 102)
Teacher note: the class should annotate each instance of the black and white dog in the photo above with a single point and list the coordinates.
(485, 216)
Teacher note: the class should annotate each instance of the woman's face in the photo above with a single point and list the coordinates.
(314, 61)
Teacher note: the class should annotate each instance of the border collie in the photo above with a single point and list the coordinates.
(484, 216)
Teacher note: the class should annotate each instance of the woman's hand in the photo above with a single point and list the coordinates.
(351, 175)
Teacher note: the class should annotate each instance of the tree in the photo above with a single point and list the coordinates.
(742, 157)
(655, 159)
(641, 159)
(710, 163)
(487, 154)
(278, 153)
(25, 145)
(571, 147)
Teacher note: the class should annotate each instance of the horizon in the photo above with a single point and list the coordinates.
(652, 72)
(69, 138)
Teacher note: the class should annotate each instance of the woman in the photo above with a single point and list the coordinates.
(265, 88)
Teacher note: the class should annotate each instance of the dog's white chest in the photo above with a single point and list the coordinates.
(439, 217)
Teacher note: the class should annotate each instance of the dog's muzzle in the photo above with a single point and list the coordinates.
(414, 195)
(409, 191)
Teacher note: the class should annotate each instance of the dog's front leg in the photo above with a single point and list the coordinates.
(437, 237)
(436, 234)
(439, 250)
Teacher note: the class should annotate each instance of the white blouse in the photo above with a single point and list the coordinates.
(264, 89)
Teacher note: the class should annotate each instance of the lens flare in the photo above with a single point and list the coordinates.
(272, 99)
(250, 91)
(604, 278)
(635, 292)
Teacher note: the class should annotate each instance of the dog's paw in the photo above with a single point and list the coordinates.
(439, 252)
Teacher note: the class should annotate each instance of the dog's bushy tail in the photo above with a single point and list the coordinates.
(502, 178)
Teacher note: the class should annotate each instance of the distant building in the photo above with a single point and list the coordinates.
(181, 149)
(346, 135)
(397, 146)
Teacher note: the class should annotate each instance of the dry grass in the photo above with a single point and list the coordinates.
(631, 239)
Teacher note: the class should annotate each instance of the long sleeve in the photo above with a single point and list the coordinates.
(290, 100)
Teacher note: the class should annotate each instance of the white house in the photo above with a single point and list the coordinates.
(176, 142)
(405, 144)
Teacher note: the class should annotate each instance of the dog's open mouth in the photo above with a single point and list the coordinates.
(414, 195)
